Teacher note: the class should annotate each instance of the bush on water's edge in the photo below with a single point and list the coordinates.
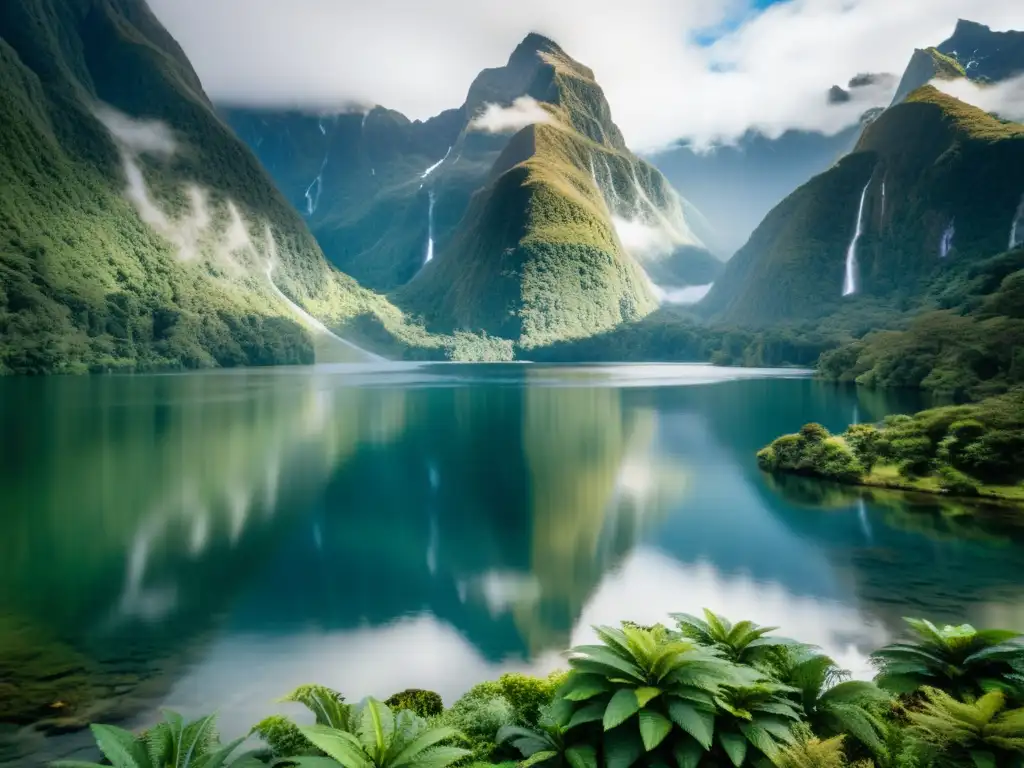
(701, 693)
(963, 450)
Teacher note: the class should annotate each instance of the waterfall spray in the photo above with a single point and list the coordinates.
(883, 201)
(1017, 228)
(946, 244)
(430, 229)
(850, 280)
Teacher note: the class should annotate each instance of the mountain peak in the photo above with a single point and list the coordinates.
(533, 44)
(966, 26)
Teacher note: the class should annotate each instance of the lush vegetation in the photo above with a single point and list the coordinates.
(705, 694)
(967, 450)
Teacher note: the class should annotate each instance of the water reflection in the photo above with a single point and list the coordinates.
(429, 526)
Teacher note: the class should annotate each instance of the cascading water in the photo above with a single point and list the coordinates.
(946, 244)
(850, 280)
(883, 201)
(430, 229)
(314, 189)
(436, 165)
(1017, 228)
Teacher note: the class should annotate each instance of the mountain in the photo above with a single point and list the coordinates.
(926, 65)
(542, 221)
(136, 231)
(984, 54)
(931, 183)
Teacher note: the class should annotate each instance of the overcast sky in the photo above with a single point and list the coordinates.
(703, 70)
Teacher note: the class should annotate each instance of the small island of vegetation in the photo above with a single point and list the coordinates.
(972, 450)
(705, 693)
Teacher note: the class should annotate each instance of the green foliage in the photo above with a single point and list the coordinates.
(546, 745)
(962, 450)
(478, 716)
(283, 737)
(812, 452)
(812, 752)
(744, 642)
(962, 661)
(422, 703)
(172, 742)
(982, 733)
(383, 740)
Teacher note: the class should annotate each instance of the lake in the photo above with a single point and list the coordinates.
(209, 541)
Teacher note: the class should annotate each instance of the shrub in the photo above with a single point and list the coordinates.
(478, 716)
(956, 482)
(767, 459)
(867, 444)
(814, 433)
(996, 456)
(423, 703)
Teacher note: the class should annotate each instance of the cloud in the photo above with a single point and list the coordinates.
(498, 119)
(137, 136)
(702, 70)
(1005, 99)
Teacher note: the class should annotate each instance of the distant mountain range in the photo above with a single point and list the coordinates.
(931, 181)
(138, 232)
(736, 185)
(522, 213)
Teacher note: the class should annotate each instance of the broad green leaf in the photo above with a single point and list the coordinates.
(759, 737)
(560, 710)
(616, 640)
(305, 762)
(325, 704)
(538, 757)
(441, 757)
(645, 694)
(983, 759)
(581, 687)
(424, 741)
(377, 726)
(654, 727)
(509, 732)
(581, 756)
(622, 706)
(75, 764)
(342, 746)
(194, 741)
(697, 722)
(217, 759)
(588, 714)
(120, 747)
(688, 754)
(531, 745)
(622, 748)
(735, 746)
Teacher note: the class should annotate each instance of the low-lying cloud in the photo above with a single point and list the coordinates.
(498, 119)
(704, 70)
(1005, 99)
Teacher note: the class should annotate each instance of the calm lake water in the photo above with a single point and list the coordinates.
(210, 541)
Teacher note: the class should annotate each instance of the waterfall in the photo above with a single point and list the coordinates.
(883, 201)
(313, 197)
(436, 165)
(1017, 228)
(850, 281)
(946, 244)
(430, 229)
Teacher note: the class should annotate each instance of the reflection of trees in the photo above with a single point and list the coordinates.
(136, 508)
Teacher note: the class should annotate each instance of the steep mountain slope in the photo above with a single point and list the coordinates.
(932, 182)
(135, 230)
(927, 65)
(556, 245)
(382, 194)
(984, 54)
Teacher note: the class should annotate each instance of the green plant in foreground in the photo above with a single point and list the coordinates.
(962, 660)
(546, 745)
(283, 736)
(742, 643)
(172, 742)
(833, 705)
(382, 740)
(979, 734)
(812, 752)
